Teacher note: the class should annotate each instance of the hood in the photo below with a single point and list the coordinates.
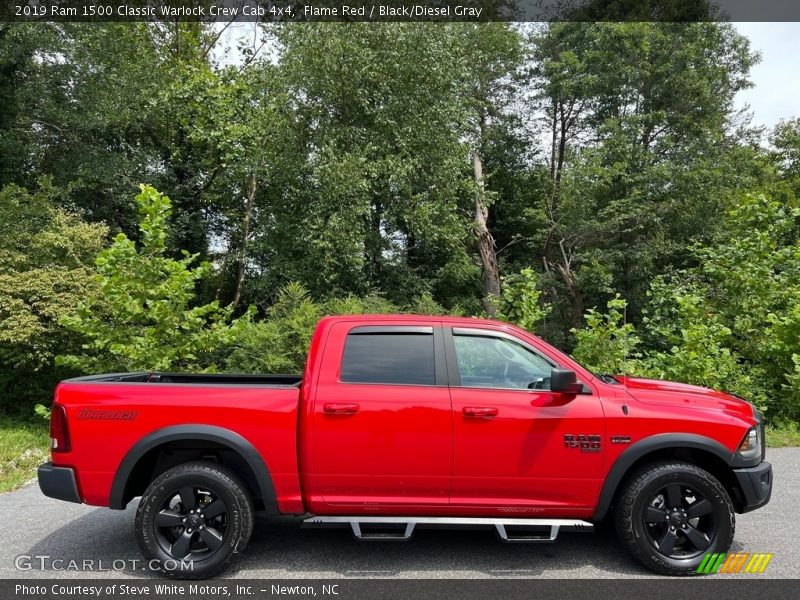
(654, 391)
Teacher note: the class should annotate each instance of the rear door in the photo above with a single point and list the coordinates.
(382, 422)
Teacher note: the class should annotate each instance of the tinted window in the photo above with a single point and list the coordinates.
(499, 363)
(403, 358)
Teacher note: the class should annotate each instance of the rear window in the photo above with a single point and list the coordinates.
(395, 358)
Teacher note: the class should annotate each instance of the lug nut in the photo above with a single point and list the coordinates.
(202, 526)
(183, 520)
(190, 531)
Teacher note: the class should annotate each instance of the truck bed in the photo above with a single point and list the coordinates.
(193, 379)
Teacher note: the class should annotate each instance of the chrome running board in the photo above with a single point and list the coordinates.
(552, 526)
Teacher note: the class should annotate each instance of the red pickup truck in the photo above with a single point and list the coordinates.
(406, 421)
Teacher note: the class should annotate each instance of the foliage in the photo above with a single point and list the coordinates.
(750, 279)
(141, 316)
(45, 258)
(607, 343)
(700, 349)
(279, 343)
(520, 300)
(733, 321)
(42, 411)
(324, 168)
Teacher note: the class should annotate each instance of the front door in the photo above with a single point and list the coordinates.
(519, 448)
(382, 423)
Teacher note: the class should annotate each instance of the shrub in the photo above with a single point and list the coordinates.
(141, 315)
(45, 270)
(606, 344)
(520, 301)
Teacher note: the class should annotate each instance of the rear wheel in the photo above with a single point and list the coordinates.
(193, 519)
(671, 514)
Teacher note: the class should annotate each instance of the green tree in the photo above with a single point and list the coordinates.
(45, 270)
(732, 322)
(641, 154)
(141, 314)
(280, 342)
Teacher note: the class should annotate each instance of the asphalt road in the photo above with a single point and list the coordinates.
(36, 525)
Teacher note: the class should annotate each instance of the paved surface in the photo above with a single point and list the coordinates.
(36, 525)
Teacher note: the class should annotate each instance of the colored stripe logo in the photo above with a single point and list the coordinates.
(735, 562)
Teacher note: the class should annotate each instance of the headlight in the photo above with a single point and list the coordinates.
(751, 444)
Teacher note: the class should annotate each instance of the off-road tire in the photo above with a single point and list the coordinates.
(225, 485)
(633, 500)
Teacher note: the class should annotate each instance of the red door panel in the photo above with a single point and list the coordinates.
(518, 457)
(379, 444)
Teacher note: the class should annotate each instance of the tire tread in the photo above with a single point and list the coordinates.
(624, 512)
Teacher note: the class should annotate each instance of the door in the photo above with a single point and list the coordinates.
(518, 446)
(382, 422)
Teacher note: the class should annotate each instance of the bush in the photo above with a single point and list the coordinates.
(699, 350)
(140, 315)
(732, 322)
(606, 344)
(45, 270)
(279, 343)
(520, 302)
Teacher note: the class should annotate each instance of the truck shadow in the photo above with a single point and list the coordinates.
(283, 549)
(280, 548)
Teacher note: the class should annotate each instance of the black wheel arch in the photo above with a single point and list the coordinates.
(692, 447)
(247, 461)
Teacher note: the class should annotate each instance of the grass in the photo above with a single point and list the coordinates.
(783, 435)
(23, 447)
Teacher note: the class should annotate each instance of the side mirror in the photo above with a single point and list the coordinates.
(564, 381)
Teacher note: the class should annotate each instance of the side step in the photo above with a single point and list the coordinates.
(551, 526)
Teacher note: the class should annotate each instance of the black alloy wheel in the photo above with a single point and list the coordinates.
(192, 523)
(679, 522)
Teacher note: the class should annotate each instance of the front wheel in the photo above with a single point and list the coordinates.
(671, 514)
(193, 519)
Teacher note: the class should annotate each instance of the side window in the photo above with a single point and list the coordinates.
(393, 358)
(491, 362)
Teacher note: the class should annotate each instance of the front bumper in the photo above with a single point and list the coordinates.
(755, 484)
(59, 483)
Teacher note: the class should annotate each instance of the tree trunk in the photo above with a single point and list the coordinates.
(242, 259)
(486, 247)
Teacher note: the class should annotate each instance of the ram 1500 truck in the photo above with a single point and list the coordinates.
(406, 421)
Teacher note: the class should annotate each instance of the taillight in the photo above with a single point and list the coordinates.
(59, 434)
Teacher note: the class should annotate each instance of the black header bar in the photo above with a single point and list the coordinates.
(397, 10)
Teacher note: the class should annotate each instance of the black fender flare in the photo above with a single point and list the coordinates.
(219, 435)
(660, 441)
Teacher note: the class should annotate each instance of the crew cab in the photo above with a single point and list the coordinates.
(407, 421)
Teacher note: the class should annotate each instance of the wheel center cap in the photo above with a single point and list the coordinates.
(193, 521)
(677, 518)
